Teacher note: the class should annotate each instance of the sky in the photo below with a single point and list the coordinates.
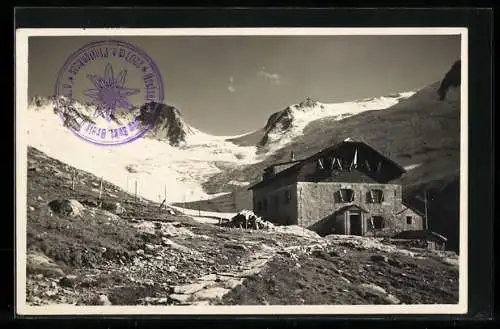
(229, 85)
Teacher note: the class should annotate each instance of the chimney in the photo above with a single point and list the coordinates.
(292, 156)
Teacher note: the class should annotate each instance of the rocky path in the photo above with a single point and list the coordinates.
(210, 289)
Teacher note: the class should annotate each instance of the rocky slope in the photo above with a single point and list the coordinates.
(352, 271)
(166, 122)
(90, 243)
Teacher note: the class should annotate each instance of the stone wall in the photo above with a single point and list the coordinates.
(278, 210)
(242, 199)
(317, 202)
(400, 222)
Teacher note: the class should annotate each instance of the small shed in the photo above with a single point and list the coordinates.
(432, 240)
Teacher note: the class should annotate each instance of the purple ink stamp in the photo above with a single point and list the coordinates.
(101, 91)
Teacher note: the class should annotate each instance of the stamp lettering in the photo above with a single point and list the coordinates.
(110, 80)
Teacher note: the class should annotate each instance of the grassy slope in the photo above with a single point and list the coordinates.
(101, 248)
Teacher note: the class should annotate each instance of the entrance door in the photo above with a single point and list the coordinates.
(355, 221)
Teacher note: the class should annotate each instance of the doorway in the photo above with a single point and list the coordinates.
(355, 223)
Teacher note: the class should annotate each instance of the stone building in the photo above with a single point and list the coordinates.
(349, 188)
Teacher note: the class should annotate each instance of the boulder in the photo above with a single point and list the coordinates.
(149, 247)
(391, 299)
(68, 281)
(38, 263)
(232, 283)
(180, 298)
(114, 207)
(373, 289)
(67, 207)
(189, 288)
(103, 300)
(211, 293)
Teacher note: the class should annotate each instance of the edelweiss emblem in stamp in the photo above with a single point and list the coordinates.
(101, 90)
(110, 93)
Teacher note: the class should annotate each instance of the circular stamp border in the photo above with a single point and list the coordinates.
(125, 44)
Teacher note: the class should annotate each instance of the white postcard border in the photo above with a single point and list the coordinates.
(21, 76)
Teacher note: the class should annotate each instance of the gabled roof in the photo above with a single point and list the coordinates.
(407, 206)
(321, 153)
(351, 206)
(359, 142)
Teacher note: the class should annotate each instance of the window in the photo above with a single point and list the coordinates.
(288, 196)
(409, 220)
(374, 196)
(378, 222)
(344, 195)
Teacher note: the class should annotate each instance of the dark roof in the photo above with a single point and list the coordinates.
(319, 154)
(420, 235)
(282, 163)
(407, 206)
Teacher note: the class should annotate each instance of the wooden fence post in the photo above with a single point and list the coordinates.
(100, 189)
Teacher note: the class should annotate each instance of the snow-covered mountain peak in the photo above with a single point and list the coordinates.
(283, 126)
(308, 103)
(167, 123)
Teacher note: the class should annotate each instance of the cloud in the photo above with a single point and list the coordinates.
(231, 87)
(273, 77)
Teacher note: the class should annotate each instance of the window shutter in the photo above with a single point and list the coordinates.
(367, 165)
(320, 163)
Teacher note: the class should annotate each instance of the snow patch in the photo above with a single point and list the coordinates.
(153, 165)
(412, 166)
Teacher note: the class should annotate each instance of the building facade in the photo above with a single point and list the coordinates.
(349, 188)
